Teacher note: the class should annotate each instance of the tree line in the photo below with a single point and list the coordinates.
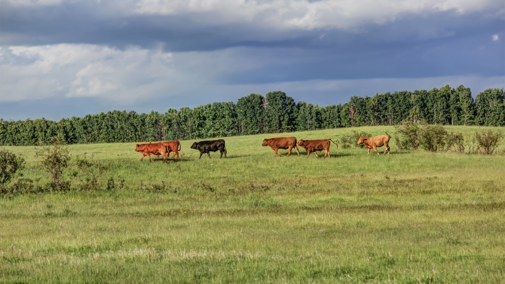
(255, 114)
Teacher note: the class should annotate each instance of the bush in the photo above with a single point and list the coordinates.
(55, 158)
(432, 137)
(9, 165)
(409, 132)
(456, 142)
(487, 142)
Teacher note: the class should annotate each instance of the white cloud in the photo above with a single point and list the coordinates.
(126, 77)
(81, 71)
(33, 2)
(306, 14)
(495, 37)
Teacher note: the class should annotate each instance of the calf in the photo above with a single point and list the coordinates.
(207, 146)
(374, 142)
(281, 143)
(316, 145)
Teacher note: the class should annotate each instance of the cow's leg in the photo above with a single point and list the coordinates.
(201, 153)
(296, 148)
(289, 150)
(327, 153)
(221, 154)
(208, 154)
(276, 154)
(368, 151)
(149, 155)
(308, 153)
(375, 148)
(316, 154)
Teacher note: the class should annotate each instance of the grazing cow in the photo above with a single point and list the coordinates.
(316, 145)
(207, 146)
(281, 143)
(374, 142)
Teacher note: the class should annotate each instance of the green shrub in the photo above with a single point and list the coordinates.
(432, 137)
(409, 132)
(9, 165)
(54, 159)
(488, 141)
(456, 142)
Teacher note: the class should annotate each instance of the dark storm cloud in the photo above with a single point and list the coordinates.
(221, 60)
(441, 44)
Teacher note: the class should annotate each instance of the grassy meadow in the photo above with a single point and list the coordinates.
(407, 217)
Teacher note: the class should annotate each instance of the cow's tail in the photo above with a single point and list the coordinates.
(296, 145)
(334, 143)
(179, 146)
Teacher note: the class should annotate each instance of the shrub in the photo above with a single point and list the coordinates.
(409, 134)
(456, 141)
(487, 142)
(432, 137)
(54, 159)
(9, 165)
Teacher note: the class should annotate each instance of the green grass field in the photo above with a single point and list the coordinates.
(407, 217)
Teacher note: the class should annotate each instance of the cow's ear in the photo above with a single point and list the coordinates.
(138, 145)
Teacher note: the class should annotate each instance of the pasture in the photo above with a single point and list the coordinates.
(407, 217)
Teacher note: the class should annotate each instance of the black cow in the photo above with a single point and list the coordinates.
(207, 146)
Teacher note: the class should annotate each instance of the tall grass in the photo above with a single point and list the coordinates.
(407, 217)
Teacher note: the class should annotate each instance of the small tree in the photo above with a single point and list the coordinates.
(9, 165)
(54, 158)
(488, 142)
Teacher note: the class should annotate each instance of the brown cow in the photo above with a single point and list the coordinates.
(316, 145)
(152, 148)
(374, 142)
(173, 146)
(161, 148)
(281, 143)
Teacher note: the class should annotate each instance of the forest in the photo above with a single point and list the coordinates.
(257, 114)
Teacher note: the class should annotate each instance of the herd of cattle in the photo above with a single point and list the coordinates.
(310, 146)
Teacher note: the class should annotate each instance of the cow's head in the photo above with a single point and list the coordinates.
(361, 140)
(139, 148)
(265, 142)
(300, 142)
(194, 146)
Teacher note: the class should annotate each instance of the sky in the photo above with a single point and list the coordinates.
(64, 58)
